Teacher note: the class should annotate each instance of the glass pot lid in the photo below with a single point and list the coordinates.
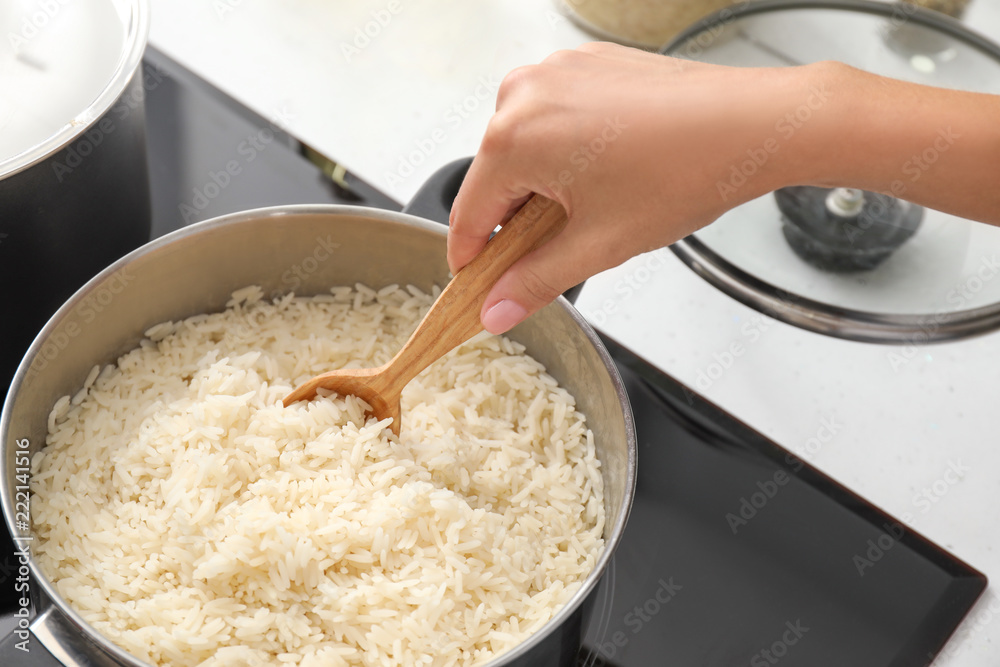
(62, 66)
(852, 264)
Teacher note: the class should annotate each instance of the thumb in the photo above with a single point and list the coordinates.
(534, 281)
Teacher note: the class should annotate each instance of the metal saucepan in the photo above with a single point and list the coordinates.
(305, 249)
(74, 185)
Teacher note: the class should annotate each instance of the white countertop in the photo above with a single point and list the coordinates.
(913, 429)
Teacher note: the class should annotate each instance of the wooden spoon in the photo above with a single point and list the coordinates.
(452, 320)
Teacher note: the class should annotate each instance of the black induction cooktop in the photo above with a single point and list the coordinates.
(736, 552)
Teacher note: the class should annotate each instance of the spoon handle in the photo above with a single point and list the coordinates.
(454, 317)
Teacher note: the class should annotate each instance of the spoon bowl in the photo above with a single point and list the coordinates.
(451, 320)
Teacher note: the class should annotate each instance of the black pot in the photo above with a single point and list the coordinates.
(75, 203)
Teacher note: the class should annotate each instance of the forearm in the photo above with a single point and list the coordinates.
(938, 148)
(642, 150)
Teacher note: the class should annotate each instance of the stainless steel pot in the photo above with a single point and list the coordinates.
(305, 249)
(74, 186)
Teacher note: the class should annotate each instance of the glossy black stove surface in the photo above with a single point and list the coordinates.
(736, 552)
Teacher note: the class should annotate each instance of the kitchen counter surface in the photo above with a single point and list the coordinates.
(393, 89)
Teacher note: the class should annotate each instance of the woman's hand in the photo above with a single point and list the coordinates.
(642, 149)
(638, 148)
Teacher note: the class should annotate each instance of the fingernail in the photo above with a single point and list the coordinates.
(503, 315)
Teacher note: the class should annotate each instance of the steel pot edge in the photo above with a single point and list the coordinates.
(56, 623)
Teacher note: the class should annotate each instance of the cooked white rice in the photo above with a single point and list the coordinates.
(192, 519)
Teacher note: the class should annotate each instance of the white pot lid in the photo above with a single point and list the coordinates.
(63, 64)
(911, 274)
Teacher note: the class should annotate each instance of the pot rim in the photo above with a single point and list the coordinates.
(275, 212)
(129, 61)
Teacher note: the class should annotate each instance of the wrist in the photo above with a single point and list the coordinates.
(791, 121)
(816, 126)
(932, 146)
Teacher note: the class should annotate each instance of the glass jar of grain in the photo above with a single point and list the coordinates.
(910, 40)
(953, 8)
(644, 23)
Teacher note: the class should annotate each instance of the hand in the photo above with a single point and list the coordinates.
(643, 149)
(633, 145)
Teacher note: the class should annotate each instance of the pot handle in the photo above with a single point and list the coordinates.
(23, 644)
(51, 643)
(434, 199)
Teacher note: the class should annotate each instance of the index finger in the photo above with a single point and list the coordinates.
(481, 204)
